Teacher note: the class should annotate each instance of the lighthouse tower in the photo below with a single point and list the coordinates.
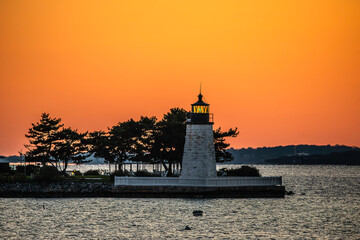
(199, 152)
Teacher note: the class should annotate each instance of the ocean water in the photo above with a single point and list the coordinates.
(326, 205)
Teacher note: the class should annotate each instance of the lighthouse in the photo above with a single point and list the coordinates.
(198, 159)
(198, 175)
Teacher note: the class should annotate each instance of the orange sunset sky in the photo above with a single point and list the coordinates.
(283, 72)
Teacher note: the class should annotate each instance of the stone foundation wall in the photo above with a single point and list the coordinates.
(61, 189)
(64, 190)
(200, 192)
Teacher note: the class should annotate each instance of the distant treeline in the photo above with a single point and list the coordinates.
(260, 155)
(335, 158)
(276, 155)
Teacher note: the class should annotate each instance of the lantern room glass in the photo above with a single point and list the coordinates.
(200, 109)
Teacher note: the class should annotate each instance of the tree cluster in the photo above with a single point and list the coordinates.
(50, 142)
(147, 140)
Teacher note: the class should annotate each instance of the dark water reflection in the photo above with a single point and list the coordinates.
(326, 206)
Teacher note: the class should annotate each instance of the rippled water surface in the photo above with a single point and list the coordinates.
(326, 206)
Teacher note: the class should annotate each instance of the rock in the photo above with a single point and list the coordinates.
(60, 189)
(187, 228)
(197, 213)
(289, 193)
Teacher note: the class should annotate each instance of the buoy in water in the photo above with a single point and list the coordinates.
(289, 193)
(197, 213)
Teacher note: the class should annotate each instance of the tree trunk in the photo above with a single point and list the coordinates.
(164, 164)
(170, 173)
(65, 166)
(52, 165)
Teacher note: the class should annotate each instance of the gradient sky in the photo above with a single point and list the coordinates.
(283, 72)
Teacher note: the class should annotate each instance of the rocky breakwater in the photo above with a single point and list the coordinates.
(61, 189)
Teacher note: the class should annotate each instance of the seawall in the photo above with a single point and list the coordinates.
(89, 189)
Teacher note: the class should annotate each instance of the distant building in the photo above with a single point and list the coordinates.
(4, 165)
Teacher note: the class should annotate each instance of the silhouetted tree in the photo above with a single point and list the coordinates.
(169, 138)
(100, 145)
(129, 140)
(145, 139)
(124, 139)
(42, 137)
(220, 145)
(69, 147)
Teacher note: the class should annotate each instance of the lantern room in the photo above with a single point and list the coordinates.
(200, 112)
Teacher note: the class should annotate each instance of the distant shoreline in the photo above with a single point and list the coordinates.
(262, 155)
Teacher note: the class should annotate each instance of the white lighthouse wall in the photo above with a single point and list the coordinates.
(199, 152)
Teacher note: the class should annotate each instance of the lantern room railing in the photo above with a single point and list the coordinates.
(211, 117)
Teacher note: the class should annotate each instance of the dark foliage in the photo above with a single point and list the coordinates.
(259, 155)
(119, 173)
(336, 158)
(4, 168)
(13, 178)
(51, 143)
(244, 171)
(69, 147)
(122, 173)
(145, 173)
(48, 174)
(128, 140)
(221, 154)
(169, 138)
(140, 173)
(42, 136)
(30, 169)
(92, 172)
(100, 144)
(146, 140)
(149, 140)
(77, 173)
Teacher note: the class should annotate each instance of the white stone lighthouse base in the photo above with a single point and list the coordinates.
(199, 152)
